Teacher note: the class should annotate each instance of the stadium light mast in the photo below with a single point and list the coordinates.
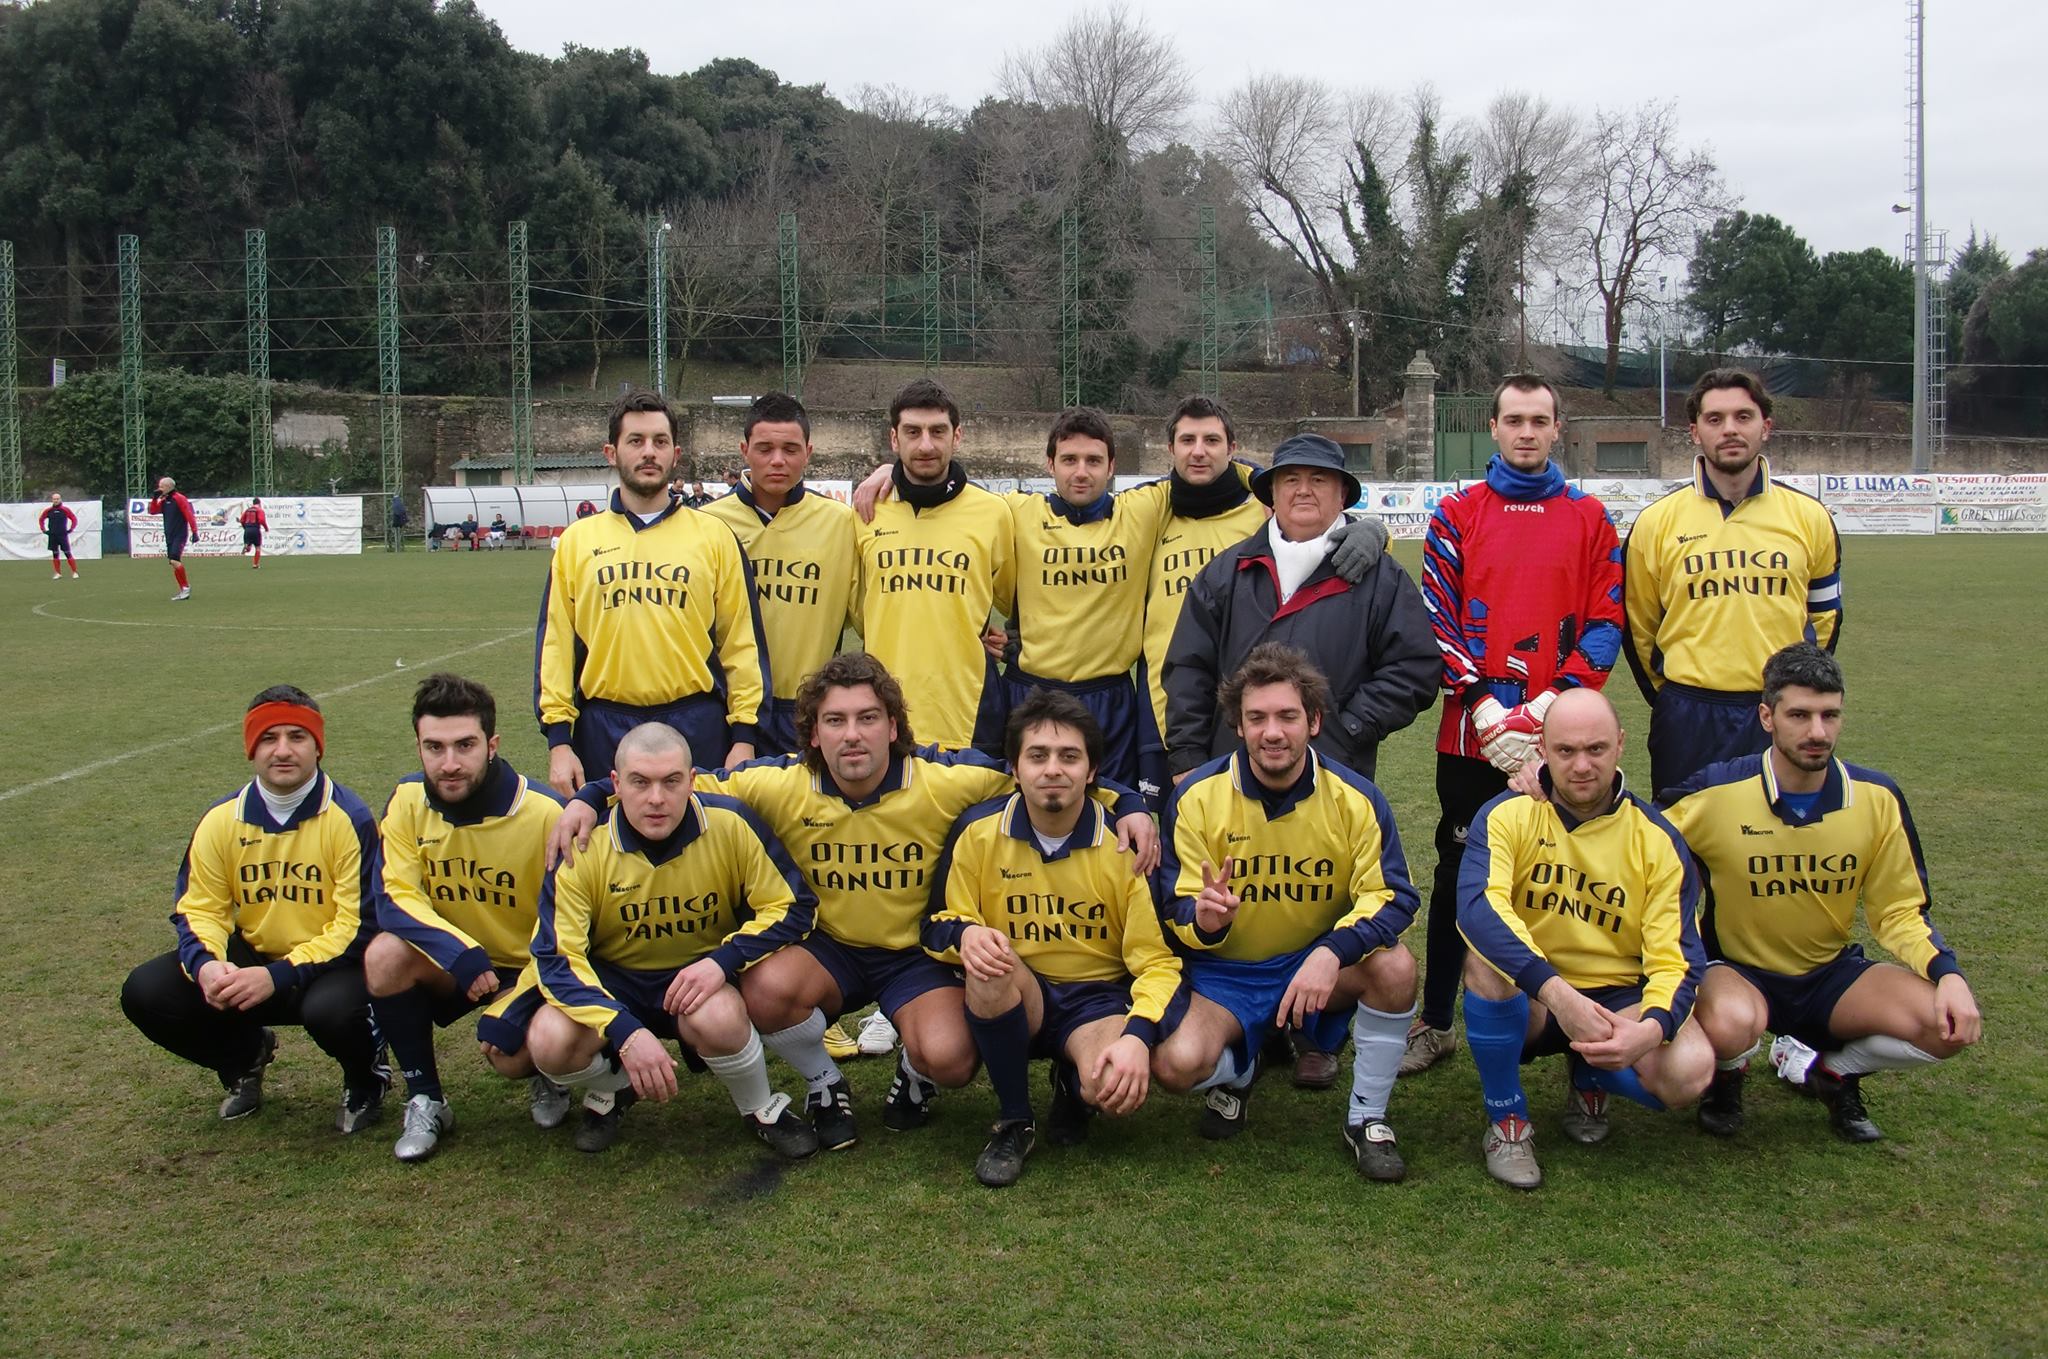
(1916, 170)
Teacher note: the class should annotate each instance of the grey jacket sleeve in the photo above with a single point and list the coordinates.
(1406, 661)
(1192, 670)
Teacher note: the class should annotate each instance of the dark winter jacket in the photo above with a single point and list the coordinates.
(1372, 641)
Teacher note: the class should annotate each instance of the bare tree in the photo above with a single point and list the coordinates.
(1127, 78)
(1648, 197)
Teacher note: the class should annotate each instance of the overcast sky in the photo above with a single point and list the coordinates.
(1803, 102)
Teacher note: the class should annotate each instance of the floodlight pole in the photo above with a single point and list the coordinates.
(1205, 249)
(134, 435)
(390, 428)
(256, 296)
(518, 271)
(1921, 458)
(10, 386)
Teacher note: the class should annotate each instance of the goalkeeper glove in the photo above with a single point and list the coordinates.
(1507, 738)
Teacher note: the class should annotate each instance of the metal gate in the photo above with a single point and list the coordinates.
(1463, 446)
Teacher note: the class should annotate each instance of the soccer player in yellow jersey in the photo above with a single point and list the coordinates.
(463, 842)
(1287, 895)
(1059, 940)
(864, 812)
(799, 546)
(935, 560)
(1579, 910)
(272, 911)
(648, 615)
(643, 938)
(1790, 840)
(1209, 508)
(1716, 577)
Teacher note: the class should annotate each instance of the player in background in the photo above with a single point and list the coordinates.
(179, 527)
(643, 938)
(1058, 937)
(934, 562)
(800, 548)
(1718, 576)
(1522, 577)
(648, 615)
(56, 522)
(254, 523)
(1287, 893)
(1790, 840)
(463, 843)
(1580, 910)
(273, 908)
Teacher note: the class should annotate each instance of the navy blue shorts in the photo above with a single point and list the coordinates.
(454, 1005)
(778, 729)
(641, 993)
(1154, 780)
(1800, 1006)
(891, 976)
(600, 726)
(1693, 728)
(507, 1014)
(1112, 700)
(252, 536)
(1252, 991)
(1069, 1005)
(60, 542)
(1551, 1039)
(174, 549)
(991, 715)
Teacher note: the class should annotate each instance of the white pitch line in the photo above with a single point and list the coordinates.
(219, 727)
(43, 611)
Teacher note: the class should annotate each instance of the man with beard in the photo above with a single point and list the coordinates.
(648, 615)
(1057, 937)
(1790, 839)
(463, 842)
(1718, 576)
(1287, 894)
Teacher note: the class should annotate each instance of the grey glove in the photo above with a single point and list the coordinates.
(1355, 544)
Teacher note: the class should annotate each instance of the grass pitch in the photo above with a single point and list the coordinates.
(139, 1224)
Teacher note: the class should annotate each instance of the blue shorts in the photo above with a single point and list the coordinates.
(778, 729)
(892, 976)
(251, 536)
(1551, 1039)
(641, 994)
(174, 549)
(452, 1006)
(600, 726)
(1693, 728)
(506, 1015)
(1069, 1005)
(1112, 700)
(1252, 991)
(1800, 1006)
(1154, 780)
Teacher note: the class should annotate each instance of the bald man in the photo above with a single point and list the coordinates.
(1579, 908)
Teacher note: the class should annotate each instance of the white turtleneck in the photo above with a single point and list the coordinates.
(1296, 560)
(281, 807)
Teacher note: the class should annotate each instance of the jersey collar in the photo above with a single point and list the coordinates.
(1836, 792)
(255, 812)
(1278, 802)
(1571, 822)
(1087, 830)
(1094, 512)
(659, 852)
(500, 793)
(619, 508)
(895, 778)
(745, 492)
(1760, 486)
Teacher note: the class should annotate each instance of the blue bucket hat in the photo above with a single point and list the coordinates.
(1306, 450)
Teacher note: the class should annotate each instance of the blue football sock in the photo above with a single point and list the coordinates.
(1005, 1044)
(1495, 1030)
(1624, 1083)
(407, 1022)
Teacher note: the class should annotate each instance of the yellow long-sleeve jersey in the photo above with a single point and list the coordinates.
(802, 558)
(648, 614)
(298, 891)
(1081, 577)
(1317, 862)
(462, 883)
(1608, 901)
(1076, 913)
(1185, 546)
(720, 886)
(1713, 590)
(1782, 884)
(928, 579)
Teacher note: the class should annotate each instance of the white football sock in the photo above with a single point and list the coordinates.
(1378, 1039)
(1879, 1052)
(1740, 1061)
(745, 1074)
(601, 1077)
(802, 1046)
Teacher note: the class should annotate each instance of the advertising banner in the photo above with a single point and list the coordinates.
(22, 540)
(300, 526)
